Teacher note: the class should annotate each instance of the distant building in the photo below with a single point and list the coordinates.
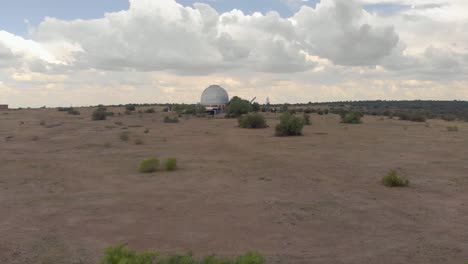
(3, 107)
(214, 99)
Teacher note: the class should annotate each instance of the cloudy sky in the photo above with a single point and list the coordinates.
(64, 52)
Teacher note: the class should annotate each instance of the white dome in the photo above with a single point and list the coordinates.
(214, 95)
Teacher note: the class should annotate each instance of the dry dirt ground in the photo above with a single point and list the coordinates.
(70, 187)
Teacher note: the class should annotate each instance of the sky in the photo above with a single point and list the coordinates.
(79, 53)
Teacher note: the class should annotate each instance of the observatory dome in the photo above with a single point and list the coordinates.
(214, 95)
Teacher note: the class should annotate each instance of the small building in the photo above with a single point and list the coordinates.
(214, 99)
(3, 107)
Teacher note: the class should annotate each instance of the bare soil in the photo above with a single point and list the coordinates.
(70, 187)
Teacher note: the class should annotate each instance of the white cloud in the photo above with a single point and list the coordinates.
(337, 44)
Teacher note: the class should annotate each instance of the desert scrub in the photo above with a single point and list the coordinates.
(252, 121)
(73, 111)
(130, 107)
(147, 130)
(289, 126)
(150, 111)
(393, 179)
(124, 136)
(149, 165)
(121, 254)
(99, 114)
(138, 141)
(170, 164)
(306, 119)
(352, 117)
(452, 129)
(168, 119)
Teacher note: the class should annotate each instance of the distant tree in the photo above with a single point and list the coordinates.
(255, 107)
(237, 107)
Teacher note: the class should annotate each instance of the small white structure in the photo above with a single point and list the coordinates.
(214, 99)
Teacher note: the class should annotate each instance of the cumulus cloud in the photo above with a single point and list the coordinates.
(164, 35)
(337, 42)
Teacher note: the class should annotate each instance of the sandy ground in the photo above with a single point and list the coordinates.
(70, 188)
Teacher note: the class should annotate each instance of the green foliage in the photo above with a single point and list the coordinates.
(100, 114)
(306, 118)
(124, 255)
(255, 107)
(237, 107)
(289, 125)
(168, 119)
(149, 165)
(352, 117)
(452, 129)
(252, 121)
(170, 164)
(412, 116)
(393, 179)
(124, 136)
(130, 107)
(72, 111)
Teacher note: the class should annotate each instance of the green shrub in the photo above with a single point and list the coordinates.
(412, 116)
(252, 121)
(168, 119)
(73, 111)
(124, 136)
(289, 126)
(99, 114)
(64, 109)
(237, 107)
(449, 118)
(170, 164)
(306, 119)
(452, 129)
(353, 117)
(124, 255)
(393, 179)
(149, 165)
(130, 107)
(255, 107)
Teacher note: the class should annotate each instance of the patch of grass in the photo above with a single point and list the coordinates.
(289, 125)
(452, 129)
(352, 117)
(124, 136)
(393, 179)
(135, 126)
(107, 145)
(149, 165)
(252, 121)
(170, 164)
(138, 141)
(168, 119)
(306, 118)
(123, 255)
(147, 130)
(42, 123)
(118, 123)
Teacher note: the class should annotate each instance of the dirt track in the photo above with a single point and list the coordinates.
(65, 194)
